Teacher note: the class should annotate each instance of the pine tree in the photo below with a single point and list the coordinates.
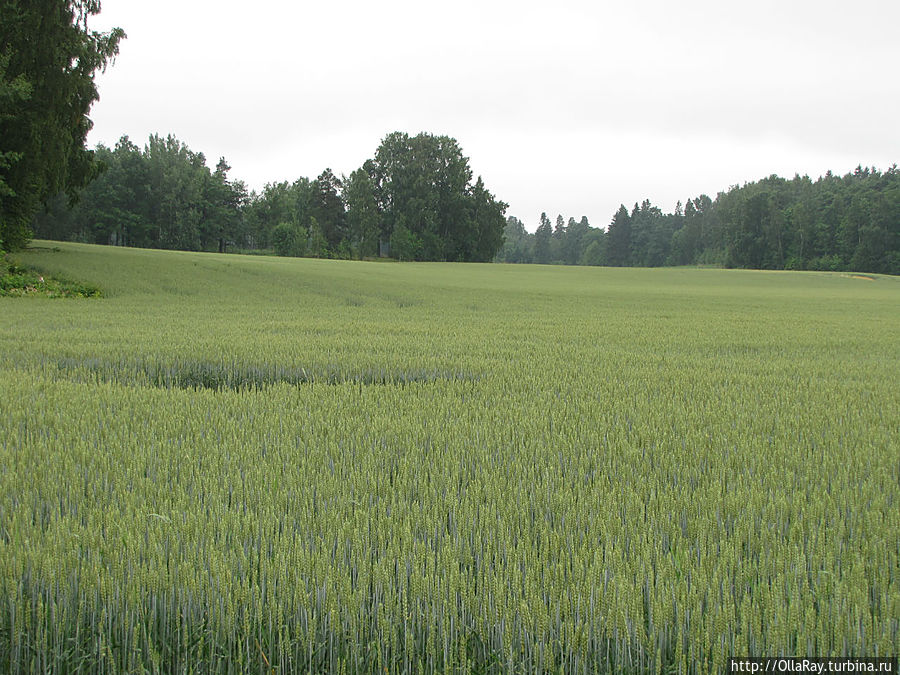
(542, 241)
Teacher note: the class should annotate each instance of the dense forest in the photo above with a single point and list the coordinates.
(835, 223)
(415, 200)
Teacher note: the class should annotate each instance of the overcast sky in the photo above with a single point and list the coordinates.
(565, 107)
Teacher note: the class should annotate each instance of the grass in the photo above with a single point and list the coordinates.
(231, 464)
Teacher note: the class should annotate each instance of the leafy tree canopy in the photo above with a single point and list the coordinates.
(423, 183)
(48, 58)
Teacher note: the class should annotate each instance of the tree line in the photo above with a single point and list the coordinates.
(836, 223)
(414, 200)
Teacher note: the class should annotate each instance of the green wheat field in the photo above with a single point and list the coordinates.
(254, 464)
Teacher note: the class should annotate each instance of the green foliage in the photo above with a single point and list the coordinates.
(518, 245)
(48, 58)
(318, 243)
(593, 254)
(618, 247)
(328, 208)
(278, 203)
(223, 218)
(835, 224)
(487, 223)
(166, 197)
(289, 240)
(542, 238)
(362, 214)
(423, 183)
(16, 281)
(405, 245)
(444, 468)
(161, 196)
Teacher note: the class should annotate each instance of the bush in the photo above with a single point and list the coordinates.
(826, 263)
(289, 240)
(19, 281)
(593, 255)
(405, 245)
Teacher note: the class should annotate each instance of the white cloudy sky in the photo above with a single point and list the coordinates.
(565, 107)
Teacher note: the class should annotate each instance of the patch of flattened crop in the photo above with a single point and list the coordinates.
(193, 374)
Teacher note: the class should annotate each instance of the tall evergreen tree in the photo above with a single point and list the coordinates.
(488, 221)
(329, 209)
(362, 213)
(542, 241)
(618, 245)
(48, 58)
